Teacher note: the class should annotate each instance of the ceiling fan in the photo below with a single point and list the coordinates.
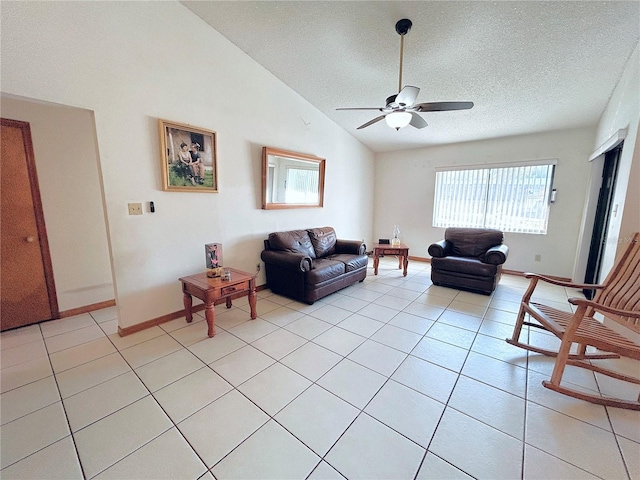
(400, 109)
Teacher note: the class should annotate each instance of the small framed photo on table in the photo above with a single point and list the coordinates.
(213, 257)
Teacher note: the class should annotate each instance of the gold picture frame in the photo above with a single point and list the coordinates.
(189, 158)
(281, 169)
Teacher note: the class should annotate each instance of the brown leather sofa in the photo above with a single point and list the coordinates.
(310, 264)
(469, 259)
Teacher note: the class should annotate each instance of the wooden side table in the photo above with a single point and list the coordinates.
(212, 290)
(402, 251)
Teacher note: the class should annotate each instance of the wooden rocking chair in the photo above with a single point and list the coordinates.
(617, 299)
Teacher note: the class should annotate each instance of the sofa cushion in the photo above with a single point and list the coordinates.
(472, 242)
(323, 241)
(464, 265)
(295, 241)
(323, 269)
(351, 262)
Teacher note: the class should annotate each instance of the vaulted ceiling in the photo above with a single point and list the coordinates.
(528, 66)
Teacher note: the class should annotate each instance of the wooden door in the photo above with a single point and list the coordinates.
(27, 290)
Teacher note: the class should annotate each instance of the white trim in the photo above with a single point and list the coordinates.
(612, 142)
(526, 163)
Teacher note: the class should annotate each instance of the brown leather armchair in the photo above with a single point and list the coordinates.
(468, 259)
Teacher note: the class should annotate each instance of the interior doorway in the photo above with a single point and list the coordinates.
(603, 215)
(66, 154)
(27, 291)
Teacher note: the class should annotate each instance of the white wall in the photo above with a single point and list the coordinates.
(622, 111)
(134, 62)
(405, 184)
(65, 150)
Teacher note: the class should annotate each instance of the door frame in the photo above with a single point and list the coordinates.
(602, 218)
(38, 211)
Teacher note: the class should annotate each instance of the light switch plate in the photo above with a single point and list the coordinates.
(135, 208)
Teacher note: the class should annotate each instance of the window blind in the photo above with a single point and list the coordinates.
(511, 199)
(301, 186)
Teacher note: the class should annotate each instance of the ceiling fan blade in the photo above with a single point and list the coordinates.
(371, 122)
(417, 121)
(360, 108)
(408, 95)
(442, 106)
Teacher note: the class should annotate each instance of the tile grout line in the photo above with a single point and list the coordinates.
(361, 411)
(446, 405)
(173, 424)
(64, 409)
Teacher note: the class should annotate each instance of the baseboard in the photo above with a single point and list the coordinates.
(123, 332)
(420, 259)
(518, 273)
(87, 308)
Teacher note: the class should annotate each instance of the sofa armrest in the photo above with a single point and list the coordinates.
(440, 249)
(496, 255)
(354, 247)
(297, 262)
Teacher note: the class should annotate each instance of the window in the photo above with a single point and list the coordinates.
(511, 199)
(301, 185)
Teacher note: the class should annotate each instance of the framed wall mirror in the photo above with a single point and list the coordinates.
(291, 180)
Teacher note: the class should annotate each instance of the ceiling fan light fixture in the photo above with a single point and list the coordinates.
(400, 109)
(398, 120)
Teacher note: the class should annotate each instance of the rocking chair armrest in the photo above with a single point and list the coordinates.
(562, 283)
(603, 308)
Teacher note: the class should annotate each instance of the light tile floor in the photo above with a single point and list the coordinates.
(391, 378)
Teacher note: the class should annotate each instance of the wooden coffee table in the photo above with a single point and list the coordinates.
(402, 251)
(213, 290)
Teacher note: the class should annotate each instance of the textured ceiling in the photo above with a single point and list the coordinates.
(528, 66)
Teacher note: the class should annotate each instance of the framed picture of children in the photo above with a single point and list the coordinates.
(189, 160)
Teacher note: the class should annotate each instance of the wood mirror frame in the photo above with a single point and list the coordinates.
(276, 167)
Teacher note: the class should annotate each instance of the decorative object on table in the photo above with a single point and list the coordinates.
(384, 241)
(226, 274)
(213, 256)
(395, 239)
(189, 160)
(291, 180)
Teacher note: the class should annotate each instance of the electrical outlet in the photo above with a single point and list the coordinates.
(135, 208)
(258, 267)
(538, 257)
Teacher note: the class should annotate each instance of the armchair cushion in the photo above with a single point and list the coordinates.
(472, 242)
(464, 265)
